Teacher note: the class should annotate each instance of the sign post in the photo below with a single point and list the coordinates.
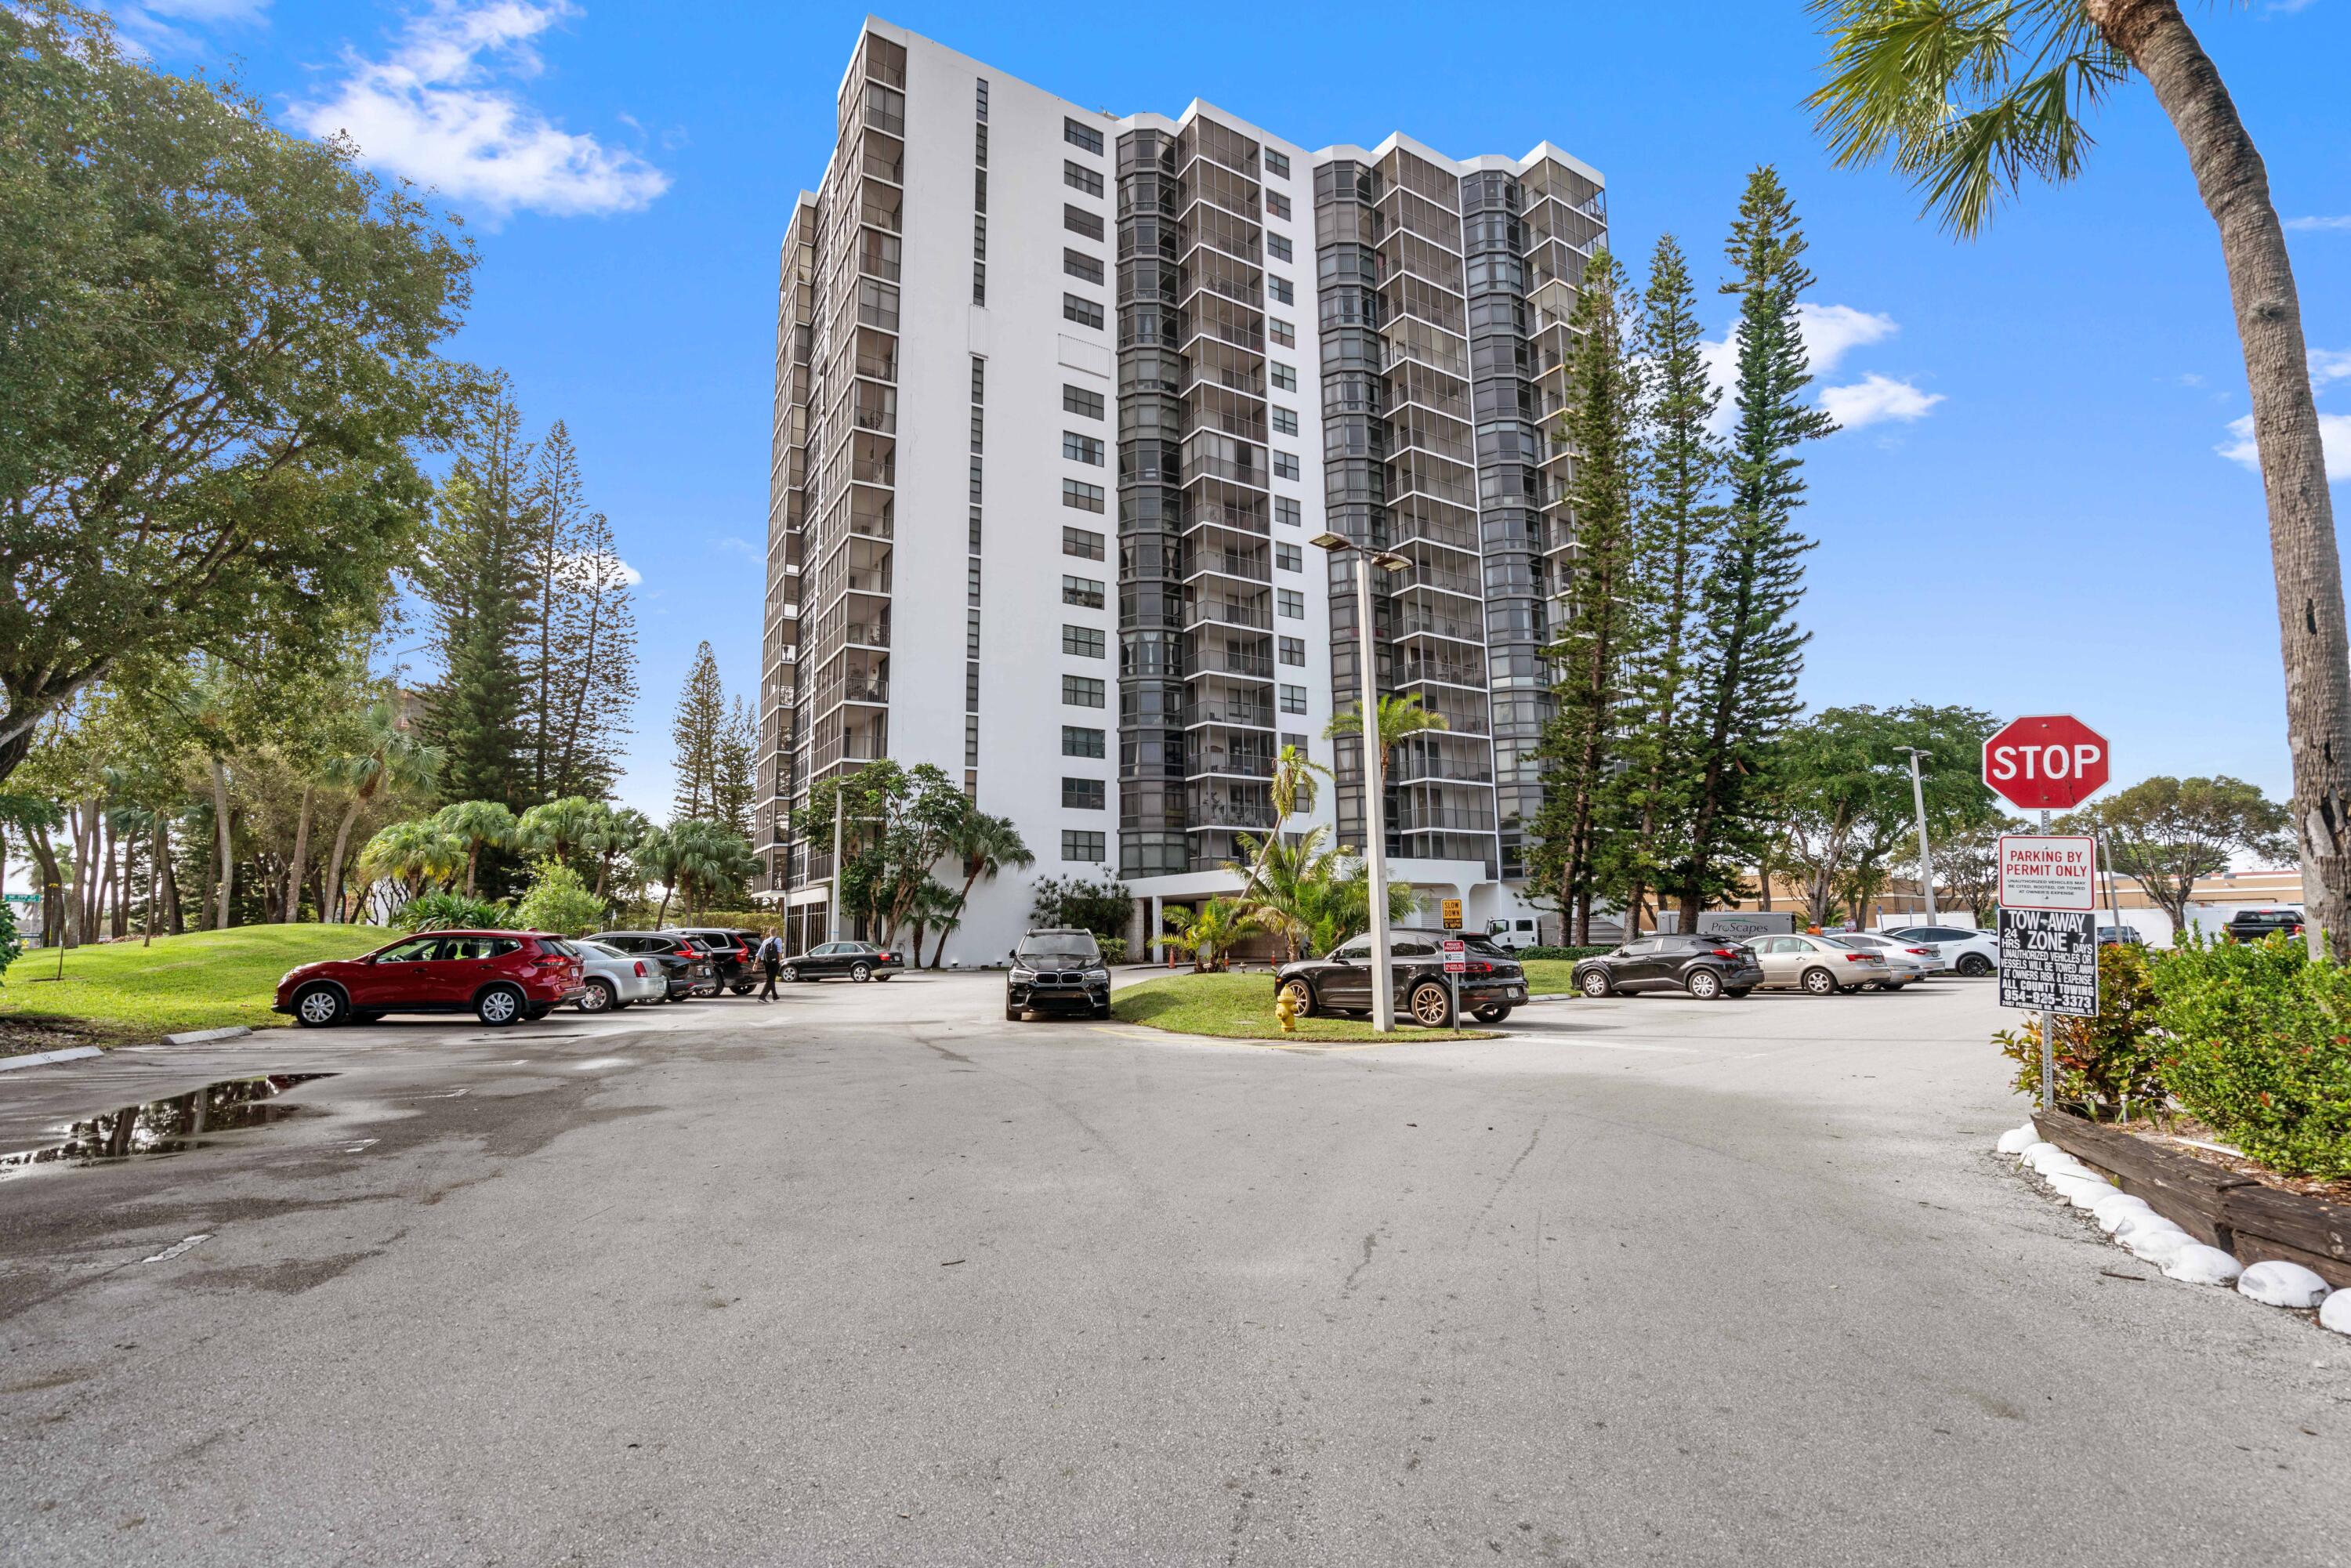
(2048, 882)
(1456, 959)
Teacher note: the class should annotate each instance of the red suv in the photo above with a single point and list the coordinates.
(496, 976)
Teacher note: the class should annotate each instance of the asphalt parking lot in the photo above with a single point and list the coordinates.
(872, 1276)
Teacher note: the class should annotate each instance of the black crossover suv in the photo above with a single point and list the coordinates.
(686, 967)
(1492, 983)
(1706, 966)
(1058, 971)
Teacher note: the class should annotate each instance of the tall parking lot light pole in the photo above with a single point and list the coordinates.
(1376, 828)
(1918, 802)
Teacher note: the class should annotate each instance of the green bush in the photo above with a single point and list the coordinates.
(2108, 1064)
(558, 901)
(453, 911)
(2258, 1047)
(1569, 953)
(10, 943)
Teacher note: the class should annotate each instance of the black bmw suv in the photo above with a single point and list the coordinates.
(1058, 971)
(1492, 983)
(1706, 966)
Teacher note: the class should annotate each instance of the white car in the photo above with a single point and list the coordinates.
(1965, 950)
(613, 980)
(1909, 960)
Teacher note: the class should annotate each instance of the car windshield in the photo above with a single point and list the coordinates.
(1076, 947)
(1475, 943)
(600, 949)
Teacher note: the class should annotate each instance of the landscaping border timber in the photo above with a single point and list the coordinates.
(2252, 1220)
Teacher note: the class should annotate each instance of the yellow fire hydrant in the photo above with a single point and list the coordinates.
(1285, 1010)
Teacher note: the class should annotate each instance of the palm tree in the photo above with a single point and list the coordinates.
(559, 829)
(987, 845)
(415, 853)
(478, 822)
(1969, 98)
(620, 833)
(1284, 881)
(701, 858)
(1209, 932)
(1399, 716)
(382, 756)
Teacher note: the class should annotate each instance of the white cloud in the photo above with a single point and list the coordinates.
(2329, 365)
(1875, 399)
(732, 544)
(2308, 225)
(442, 109)
(1830, 332)
(2334, 434)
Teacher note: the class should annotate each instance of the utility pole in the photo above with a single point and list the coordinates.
(832, 898)
(1376, 827)
(1918, 803)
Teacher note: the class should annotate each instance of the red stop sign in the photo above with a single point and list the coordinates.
(2052, 762)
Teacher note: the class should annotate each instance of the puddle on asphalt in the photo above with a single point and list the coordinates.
(167, 1126)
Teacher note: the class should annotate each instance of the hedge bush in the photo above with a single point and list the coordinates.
(453, 912)
(2108, 1064)
(1563, 952)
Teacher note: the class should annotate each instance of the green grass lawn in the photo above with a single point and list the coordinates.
(207, 979)
(1240, 1007)
(1548, 976)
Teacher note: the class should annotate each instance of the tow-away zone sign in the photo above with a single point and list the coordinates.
(2049, 960)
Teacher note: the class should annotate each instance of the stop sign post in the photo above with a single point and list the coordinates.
(2052, 762)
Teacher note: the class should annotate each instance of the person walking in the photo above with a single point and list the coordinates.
(771, 958)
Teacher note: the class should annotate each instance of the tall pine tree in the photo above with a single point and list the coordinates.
(1677, 517)
(1753, 648)
(1578, 748)
(698, 732)
(558, 514)
(477, 550)
(735, 778)
(594, 651)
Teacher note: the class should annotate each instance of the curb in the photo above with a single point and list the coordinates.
(44, 1058)
(207, 1036)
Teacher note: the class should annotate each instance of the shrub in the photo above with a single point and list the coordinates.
(558, 901)
(10, 944)
(2258, 1047)
(1114, 949)
(453, 911)
(2107, 1063)
(1564, 952)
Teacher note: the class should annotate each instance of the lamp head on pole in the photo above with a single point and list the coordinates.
(1333, 542)
(1388, 561)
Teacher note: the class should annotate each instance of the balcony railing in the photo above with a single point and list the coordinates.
(1249, 717)
(1225, 613)
(867, 633)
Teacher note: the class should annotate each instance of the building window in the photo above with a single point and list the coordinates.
(1283, 334)
(1293, 650)
(1285, 421)
(1295, 742)
(1084, 691)
(1081, 448)
(1083, 795)
(1293, 699)
(975, 495)
(1289, 601)
(971, 634)
(1079, 741)
(1077, 220)
(981, 111)
(1086, 544)
(979, 145)
(1284, 376)
(1084, 498)
(1286, 556)
(1279, 248)
(1083, 642)
(979, 283)
(971, 580)
(1083, 591)
(971, 687)
(1277, 205)
(979, 239)
(1079, 400)
(1079, 265)
(1285, 464)
(1276, 164)
(1077, 177)
(978, 379)
(1086, 847)
(1086, 313)
(1279, 289)
(1076, 135)
(1286, 510)
(979, 428)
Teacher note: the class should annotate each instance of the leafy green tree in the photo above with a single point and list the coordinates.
(1077, 903)
(619, 836)
(478, 551)
(1601, 622)
(415, 854)
(698, 731)
(1753, 649)
(1287, 883)
(735, 771)
(2167, 834)
(560, 830)
(557, 901)
(379, 756)
(987, 845)
(222, 358)
(704, 860)
(897, 823)
(1969, 102)
(479, 823)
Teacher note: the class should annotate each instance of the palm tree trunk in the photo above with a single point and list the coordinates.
(174, 921)
(473, 853)
(227, 879)
(155, 863)
(330, 907)
(2235, 183)
(301, 859)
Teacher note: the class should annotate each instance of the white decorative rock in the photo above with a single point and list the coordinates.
(2025, 1154)
(2081, 1192)
(2016, 1140)
(2335, 1313)
(2110, 1210)
(2202, 1265)
(2048, 1158)
(2281, 1284)
(2159, 1244)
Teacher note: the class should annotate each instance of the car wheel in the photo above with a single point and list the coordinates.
(1301, 997)
(1431, 1005)
(367, 1015)
(320, 1007)
(499, 1005)
(1595, 982)
(1101, 1009)
(598, 998)
(1492, 1015)
(1011, 1013)
(1704, 984)
(860, 972)
(537, 1010)
(1974, 966)
(883, 976)
(1820, 982)
(790, 974)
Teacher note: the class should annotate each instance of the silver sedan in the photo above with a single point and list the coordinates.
(1909, 960)
(1824, 966)
(615, 979)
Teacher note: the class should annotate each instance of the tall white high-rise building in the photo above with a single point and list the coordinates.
(1061, 402)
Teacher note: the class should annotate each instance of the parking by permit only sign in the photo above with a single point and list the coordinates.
(2048, 924)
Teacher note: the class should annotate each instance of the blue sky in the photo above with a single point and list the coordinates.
(2033, 513)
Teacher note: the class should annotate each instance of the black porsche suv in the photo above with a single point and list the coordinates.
(1492, 983)
(1058, 971)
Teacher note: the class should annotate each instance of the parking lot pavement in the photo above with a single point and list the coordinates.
(871, 1276)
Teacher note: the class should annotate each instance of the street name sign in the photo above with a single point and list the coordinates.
(2048, 923)
(2049, 762)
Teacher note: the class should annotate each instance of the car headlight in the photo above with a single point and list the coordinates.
(1020, 973)
(1098, 975)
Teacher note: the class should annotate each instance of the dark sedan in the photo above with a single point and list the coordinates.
(844, 960)
(1491, 982)
(1704, 967)
(685, 966)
